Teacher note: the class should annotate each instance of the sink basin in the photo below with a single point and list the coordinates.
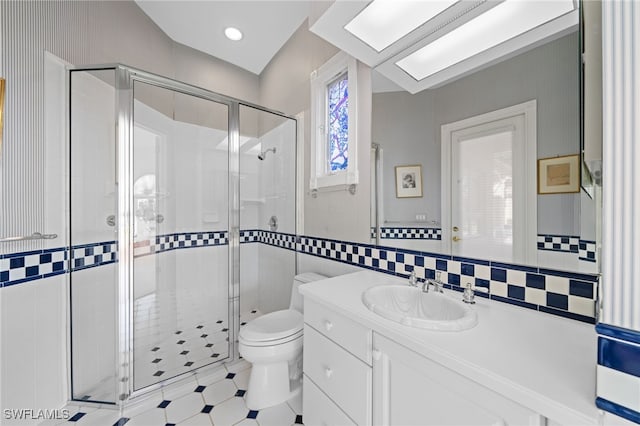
(411, 306)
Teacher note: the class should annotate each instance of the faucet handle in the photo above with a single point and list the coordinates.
(468, 296)
(413, 279)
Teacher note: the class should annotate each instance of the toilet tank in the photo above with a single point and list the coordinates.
(296, 297)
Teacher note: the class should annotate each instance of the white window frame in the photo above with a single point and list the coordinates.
(320, 175)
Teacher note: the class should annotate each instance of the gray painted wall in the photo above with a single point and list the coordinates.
(408, 126)
(285, 86)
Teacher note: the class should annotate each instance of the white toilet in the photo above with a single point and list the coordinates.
(272, 343)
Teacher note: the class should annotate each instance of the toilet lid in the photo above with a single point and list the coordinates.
(273, 326)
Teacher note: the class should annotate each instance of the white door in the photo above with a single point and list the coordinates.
(484, 205)
(489, 209)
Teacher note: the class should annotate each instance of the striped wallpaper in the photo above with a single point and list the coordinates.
(26, 34)
(621, 175)
(79, 32)
(618, 378)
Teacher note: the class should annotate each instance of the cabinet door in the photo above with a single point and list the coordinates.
(319, 410)
(343, 377)
(409, 389)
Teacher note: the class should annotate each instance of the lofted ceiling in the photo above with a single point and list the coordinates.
(399, 63)
(266, 25)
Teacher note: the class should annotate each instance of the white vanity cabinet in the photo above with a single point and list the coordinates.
(508, 370)
(409, 389)
(337, 369)
(353, 376)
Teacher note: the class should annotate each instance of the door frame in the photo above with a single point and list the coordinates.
(528, 111)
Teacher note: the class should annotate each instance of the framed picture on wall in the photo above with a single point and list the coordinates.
(409, 181)
(559, 175)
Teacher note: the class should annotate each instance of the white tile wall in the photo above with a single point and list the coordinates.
(277, 177)
(33, 358)
(94, 313)
(618, 387)
(277, 269)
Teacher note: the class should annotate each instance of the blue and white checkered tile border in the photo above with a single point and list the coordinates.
(566, 294)
(250, 236)
(181, 240)
(410, 233)
(587, 250)
(278, 239)
(562, 243)
(91, 255)
(618, 354)
(17, 268)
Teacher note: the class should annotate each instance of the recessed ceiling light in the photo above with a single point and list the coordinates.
(503, 22)
(384, 22)
(233, 33)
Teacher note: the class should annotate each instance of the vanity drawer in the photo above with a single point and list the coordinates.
(349, 334)
(318, 409)
(340, 375)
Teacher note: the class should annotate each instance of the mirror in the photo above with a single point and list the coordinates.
(451, 121)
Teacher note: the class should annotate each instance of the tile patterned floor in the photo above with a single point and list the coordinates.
(164, 349)
(219, 403)
(167, 344)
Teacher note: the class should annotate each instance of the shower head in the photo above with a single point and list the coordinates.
(263, 154)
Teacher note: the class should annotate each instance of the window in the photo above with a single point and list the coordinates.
(333, 121)
(338, 123)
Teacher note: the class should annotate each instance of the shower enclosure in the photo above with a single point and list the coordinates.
(156, 222)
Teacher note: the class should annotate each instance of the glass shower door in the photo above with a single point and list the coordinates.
(93, 237)
(180, 288)
(267, 150)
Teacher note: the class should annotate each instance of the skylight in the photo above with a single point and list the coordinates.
(384, 22)
(499, 24)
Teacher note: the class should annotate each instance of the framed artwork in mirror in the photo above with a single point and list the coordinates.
(409, 181)
(559, 175)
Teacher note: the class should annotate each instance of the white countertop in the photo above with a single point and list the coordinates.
(541, 361)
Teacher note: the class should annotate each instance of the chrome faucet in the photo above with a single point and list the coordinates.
(413, 280)
(469, 296)
(436, 283)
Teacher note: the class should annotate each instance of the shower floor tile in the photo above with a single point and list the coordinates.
(221, 403)
(167, 349)
(164, 349)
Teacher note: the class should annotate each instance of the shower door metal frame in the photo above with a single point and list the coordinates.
(125, 77)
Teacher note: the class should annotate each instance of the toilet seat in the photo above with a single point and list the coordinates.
(273, 328)
(271, 343)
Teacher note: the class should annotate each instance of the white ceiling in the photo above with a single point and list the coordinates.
(266, 24)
